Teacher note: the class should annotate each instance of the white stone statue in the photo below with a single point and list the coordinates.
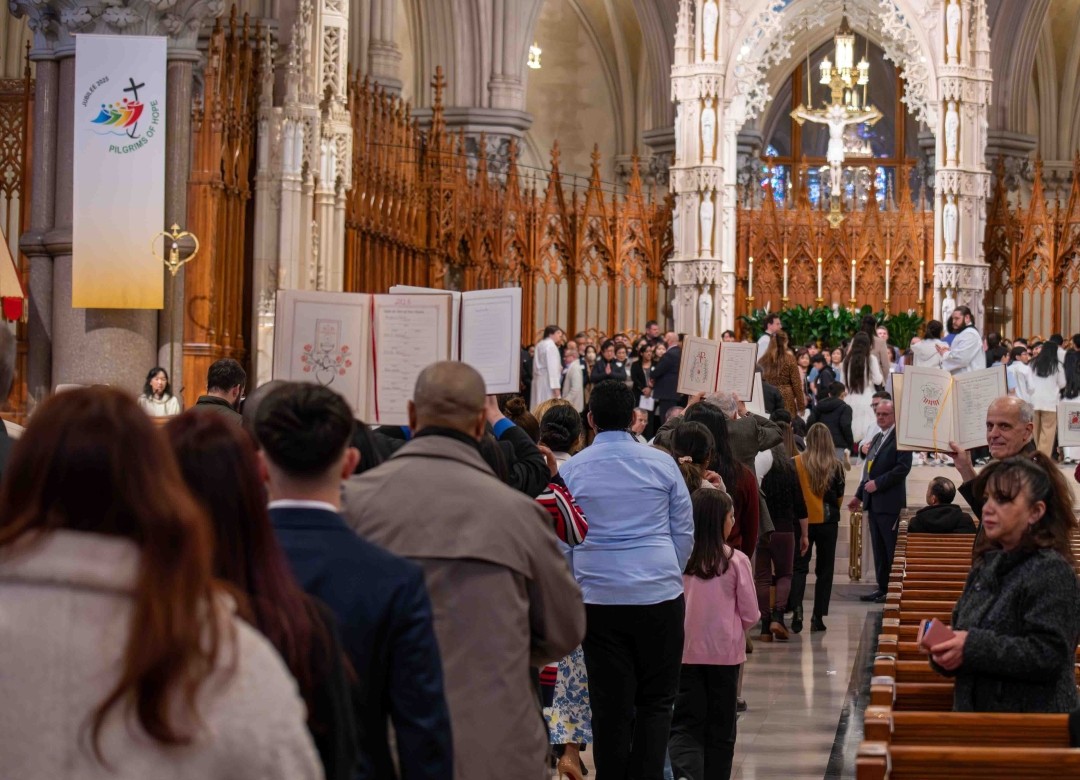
(837, 117)
(708, 132)
(675, 226)
(705, 214)
(705, 308)
(952, 28)
(952, 133)
(710, 17)
(947, 306)
(950, 220)
(678, 133)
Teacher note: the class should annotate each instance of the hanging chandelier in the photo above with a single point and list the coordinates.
(843, 76)
(534, 56)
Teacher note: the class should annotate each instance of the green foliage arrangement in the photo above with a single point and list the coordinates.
(831, 327)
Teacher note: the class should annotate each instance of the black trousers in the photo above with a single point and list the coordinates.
(632, 655)
(703, 729)
(823, 544)
(883, 530)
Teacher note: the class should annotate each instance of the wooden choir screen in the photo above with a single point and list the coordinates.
(216, 308)
(901, 232)
(16, 120)
(1034, 256)
(422, 211)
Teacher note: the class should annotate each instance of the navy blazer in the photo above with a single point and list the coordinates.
(666, 375)
(889, 472)
(384, 614)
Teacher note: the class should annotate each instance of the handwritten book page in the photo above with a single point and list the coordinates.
(736, 374)
(698, 367)
(925, 419)
(455, 311)
(411, 332)
(974, 393)
(756, 405)
(490, 329)
(325, 338)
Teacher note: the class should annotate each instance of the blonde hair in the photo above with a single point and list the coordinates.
(820, 458)
(542, 407)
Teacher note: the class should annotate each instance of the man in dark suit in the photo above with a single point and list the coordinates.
(380, 601)
(666, 376)
(882, 494)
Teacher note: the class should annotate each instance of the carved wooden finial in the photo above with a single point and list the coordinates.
(555, 155)
(439, 84)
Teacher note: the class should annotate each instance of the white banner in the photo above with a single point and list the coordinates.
(119, 172)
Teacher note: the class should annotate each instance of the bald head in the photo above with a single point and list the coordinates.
(1010, 425)
(448, 395)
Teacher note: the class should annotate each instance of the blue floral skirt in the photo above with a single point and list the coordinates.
(569, 718)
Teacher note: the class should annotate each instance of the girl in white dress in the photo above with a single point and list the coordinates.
(862, 370)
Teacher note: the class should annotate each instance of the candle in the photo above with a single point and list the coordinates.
(887, 264)
(922, 268)
(819, 277)
(785, 276)
(853, 278)
(750, 279)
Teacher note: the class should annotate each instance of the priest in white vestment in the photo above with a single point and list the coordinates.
(547, 367)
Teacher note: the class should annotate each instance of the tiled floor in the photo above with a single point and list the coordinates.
(799, 690)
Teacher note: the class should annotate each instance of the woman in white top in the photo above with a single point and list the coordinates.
(863, 373)
(157, 399)
(925, 353)
(122, 656)
(1047, 381)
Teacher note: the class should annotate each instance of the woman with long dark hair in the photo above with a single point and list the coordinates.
(773, 565)
(1047, 382)
(157, 398)
(739, 481)
(218, 463)
(1016, 623)
(863, 375)
(122, 655)
(779, 368)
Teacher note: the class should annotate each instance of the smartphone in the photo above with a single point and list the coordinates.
(933, 632)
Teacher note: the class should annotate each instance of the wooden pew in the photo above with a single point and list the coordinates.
(881, 761)
(990, 729)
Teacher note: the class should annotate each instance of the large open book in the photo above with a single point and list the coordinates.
(371, 348)
(934, 407)
(485, 327)
(1068, 423)
(712, 366)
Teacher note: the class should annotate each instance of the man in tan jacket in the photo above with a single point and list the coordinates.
(503, 596)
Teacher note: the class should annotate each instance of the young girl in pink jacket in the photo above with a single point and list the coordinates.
(721, 604)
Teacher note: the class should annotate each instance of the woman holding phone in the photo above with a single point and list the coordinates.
(1015, 626)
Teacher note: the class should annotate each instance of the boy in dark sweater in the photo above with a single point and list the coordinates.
(941, 515)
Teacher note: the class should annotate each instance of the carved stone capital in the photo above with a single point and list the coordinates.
(55, 23)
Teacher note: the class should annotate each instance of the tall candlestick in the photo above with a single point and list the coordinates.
(750, 279)
(887, 264)
(785, 276)
(922, 268)
(819, 277)
(853, 278)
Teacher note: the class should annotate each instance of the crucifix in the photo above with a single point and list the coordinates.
(837, 117)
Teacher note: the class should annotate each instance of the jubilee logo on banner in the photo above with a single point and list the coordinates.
(119, 171)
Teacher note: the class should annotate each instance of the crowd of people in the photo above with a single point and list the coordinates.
(266, 587)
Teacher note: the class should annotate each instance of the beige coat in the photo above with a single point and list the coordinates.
(503, 597)
(65, 609)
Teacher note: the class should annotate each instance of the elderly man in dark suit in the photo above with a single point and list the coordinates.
(883, 493)
(666, 376)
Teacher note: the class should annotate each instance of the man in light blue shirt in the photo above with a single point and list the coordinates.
(641, 531)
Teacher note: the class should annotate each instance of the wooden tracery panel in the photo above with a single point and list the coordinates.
(584, 260)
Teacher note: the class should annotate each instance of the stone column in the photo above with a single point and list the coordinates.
(962, 180)
(702, 265)
(94, 346)
(42, 206)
